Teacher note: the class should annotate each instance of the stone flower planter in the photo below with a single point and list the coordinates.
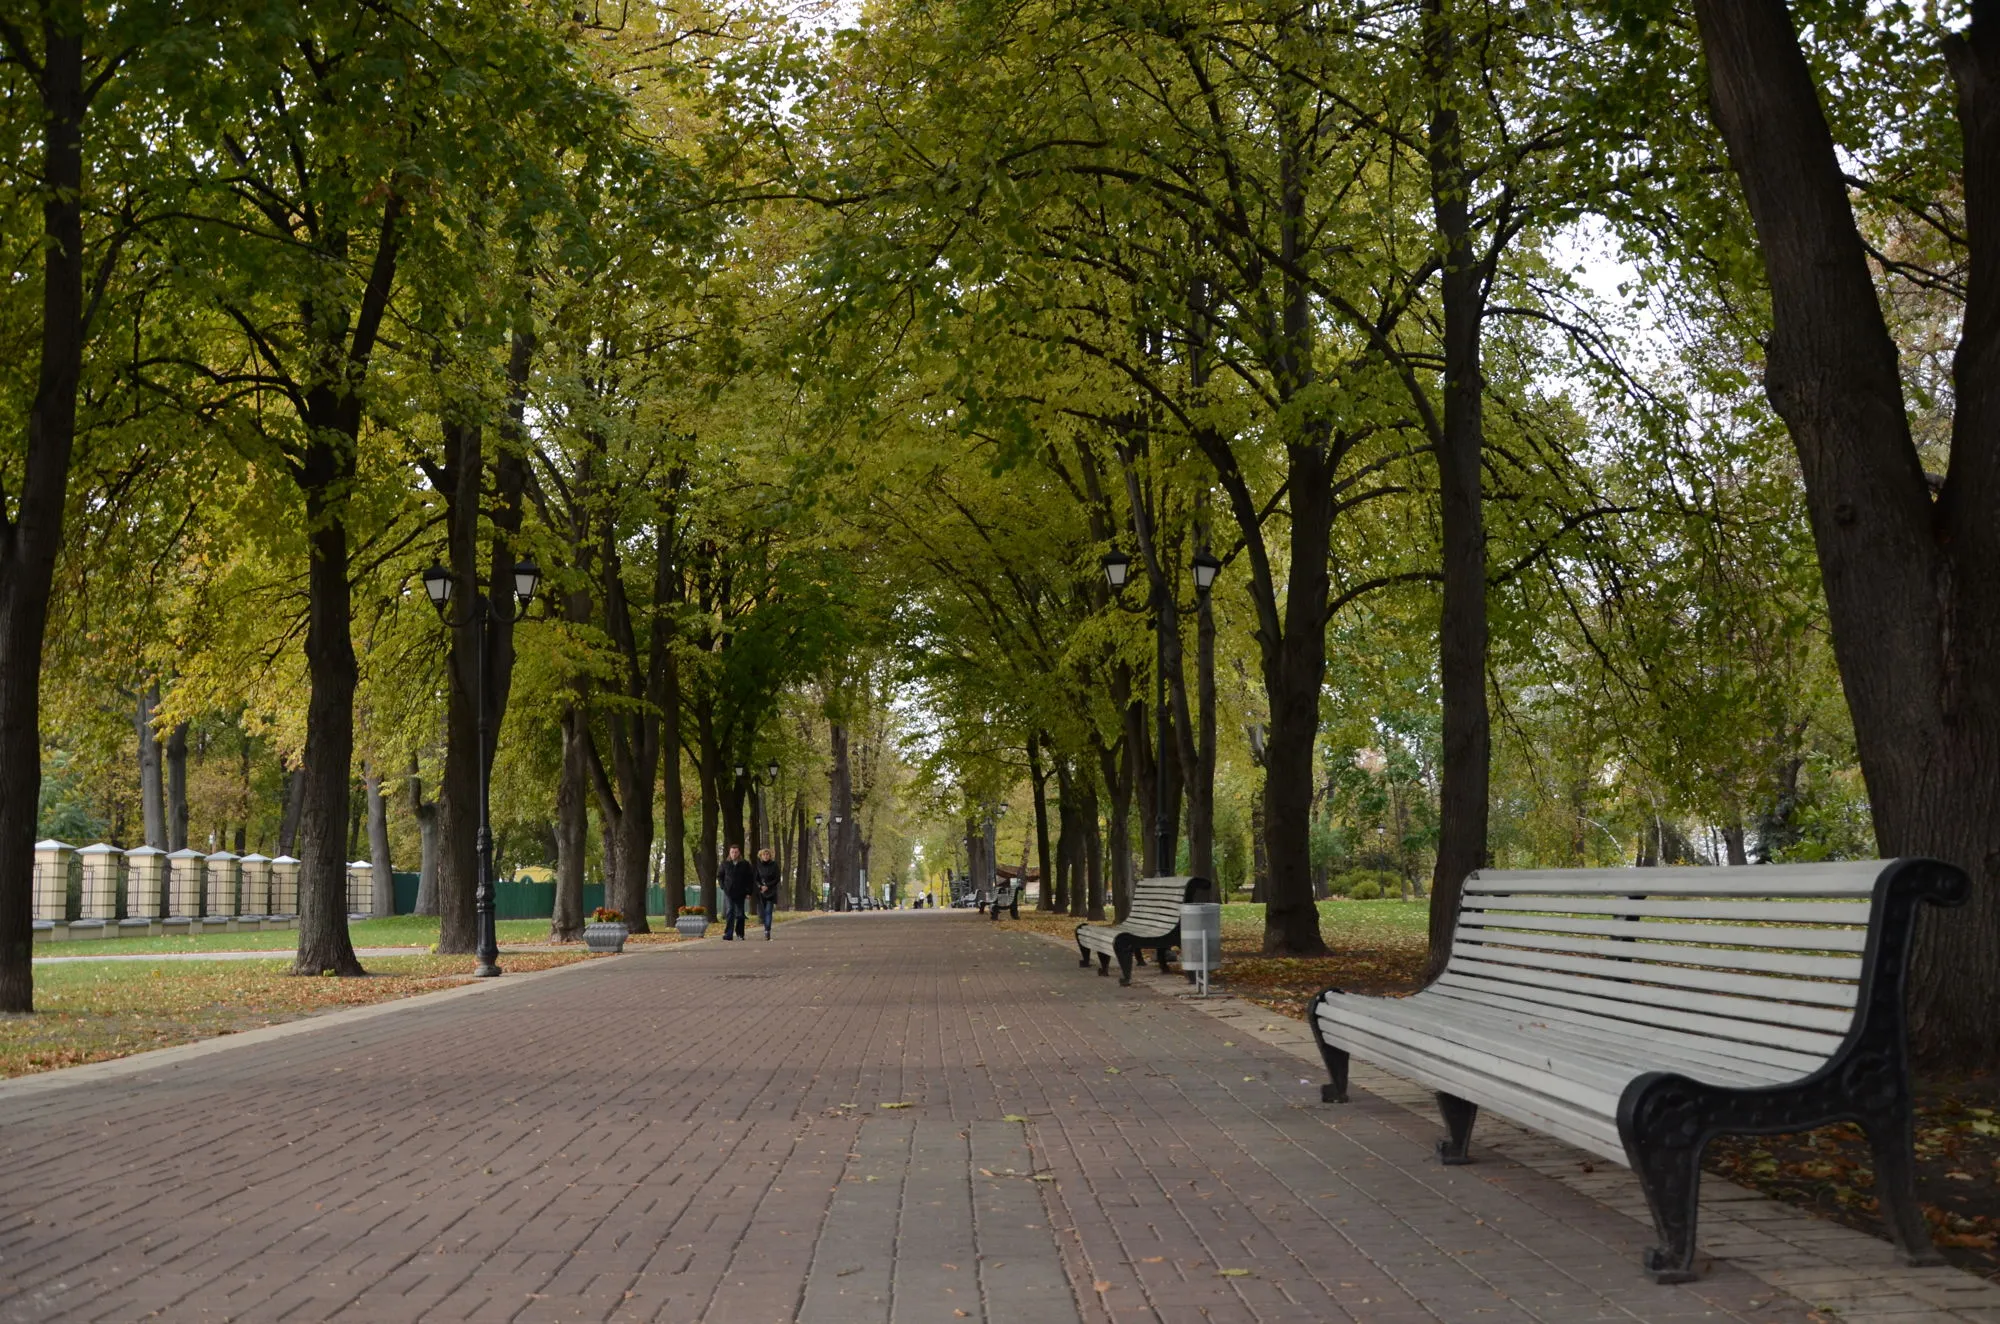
(605, 937)
(691, 926)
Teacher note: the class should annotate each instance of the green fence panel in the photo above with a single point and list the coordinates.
(524, 898)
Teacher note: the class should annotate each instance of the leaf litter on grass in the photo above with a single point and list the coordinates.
(92, 1011)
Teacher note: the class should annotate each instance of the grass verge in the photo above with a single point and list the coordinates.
(89, 1012)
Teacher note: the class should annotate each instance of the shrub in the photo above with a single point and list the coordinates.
(1384, 883)
(606, 915)
(691, 910)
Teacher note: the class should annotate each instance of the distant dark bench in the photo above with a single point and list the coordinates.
(1153, 921)
(1639, 1013)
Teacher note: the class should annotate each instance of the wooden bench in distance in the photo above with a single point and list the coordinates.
(1154, 921)
(1007, 897)
(1638, 1013)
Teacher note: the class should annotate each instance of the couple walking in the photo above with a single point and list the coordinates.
(743, 881)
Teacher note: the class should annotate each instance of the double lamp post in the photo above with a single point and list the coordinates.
(486, 607)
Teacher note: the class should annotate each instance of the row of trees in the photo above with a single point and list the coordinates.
(818, 371)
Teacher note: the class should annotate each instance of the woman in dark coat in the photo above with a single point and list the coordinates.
(766, 894)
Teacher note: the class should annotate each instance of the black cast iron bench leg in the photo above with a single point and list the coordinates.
(1459, 1114)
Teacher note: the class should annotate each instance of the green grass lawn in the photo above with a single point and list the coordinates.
(1344, 923)
(399, 931)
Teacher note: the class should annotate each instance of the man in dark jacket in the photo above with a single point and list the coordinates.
(736, 880)
(766, 896)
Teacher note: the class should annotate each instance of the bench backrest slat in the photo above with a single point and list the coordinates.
(1498, 924)
(1766, 955)
(1684, 1014)
(1593, 1026)
(1528, 976)
(1791, 964)
(1848, 879)
(1662, 977)
(1155, 910)
(1689, 908)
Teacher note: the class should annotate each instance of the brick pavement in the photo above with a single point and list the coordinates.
(696, 1132)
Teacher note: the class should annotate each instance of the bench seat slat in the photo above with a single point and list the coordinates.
(1512, 1042)
(1758, 988)
(1573, 1079)
(1801, 938)
(1724, 908)
(1623, 1040)
(1793, 965)
(1643, 1017)
(1525, 978)
(1582, 1127)
(1766, 880)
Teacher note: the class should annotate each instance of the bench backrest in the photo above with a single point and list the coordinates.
(1768, 955)
(1156, 902)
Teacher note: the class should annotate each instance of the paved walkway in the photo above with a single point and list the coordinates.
(699, 1132)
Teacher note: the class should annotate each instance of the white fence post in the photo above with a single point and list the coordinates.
(285, 886)
(52, 859)
(254, 886)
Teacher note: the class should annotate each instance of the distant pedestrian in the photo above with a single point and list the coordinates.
(737, 880)
(767, 888)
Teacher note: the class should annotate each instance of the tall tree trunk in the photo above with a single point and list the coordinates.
(1117, 766)
(673, 807)
(1044, 860)
(152, 777)
(425, 812)
(177, 787)
(710, 767)
(1183, 748)
(572, 828)
(463, 480)
(1142, 771)
(1092, 895)
(841, 832)
(381, 869)
(31, 535)
(1201, 784)
(732, 811)
(1466, 736)
(802, 896)
(357, 812)
(1910, 589)
(458, 785)
(1732, 843)
(329, 751)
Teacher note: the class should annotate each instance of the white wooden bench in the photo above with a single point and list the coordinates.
(1007, 897)
(1153, 921)
(1638, 1013)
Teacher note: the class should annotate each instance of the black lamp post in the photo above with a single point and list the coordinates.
(438, 585)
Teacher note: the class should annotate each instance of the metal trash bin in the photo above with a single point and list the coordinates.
(1201, 941)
